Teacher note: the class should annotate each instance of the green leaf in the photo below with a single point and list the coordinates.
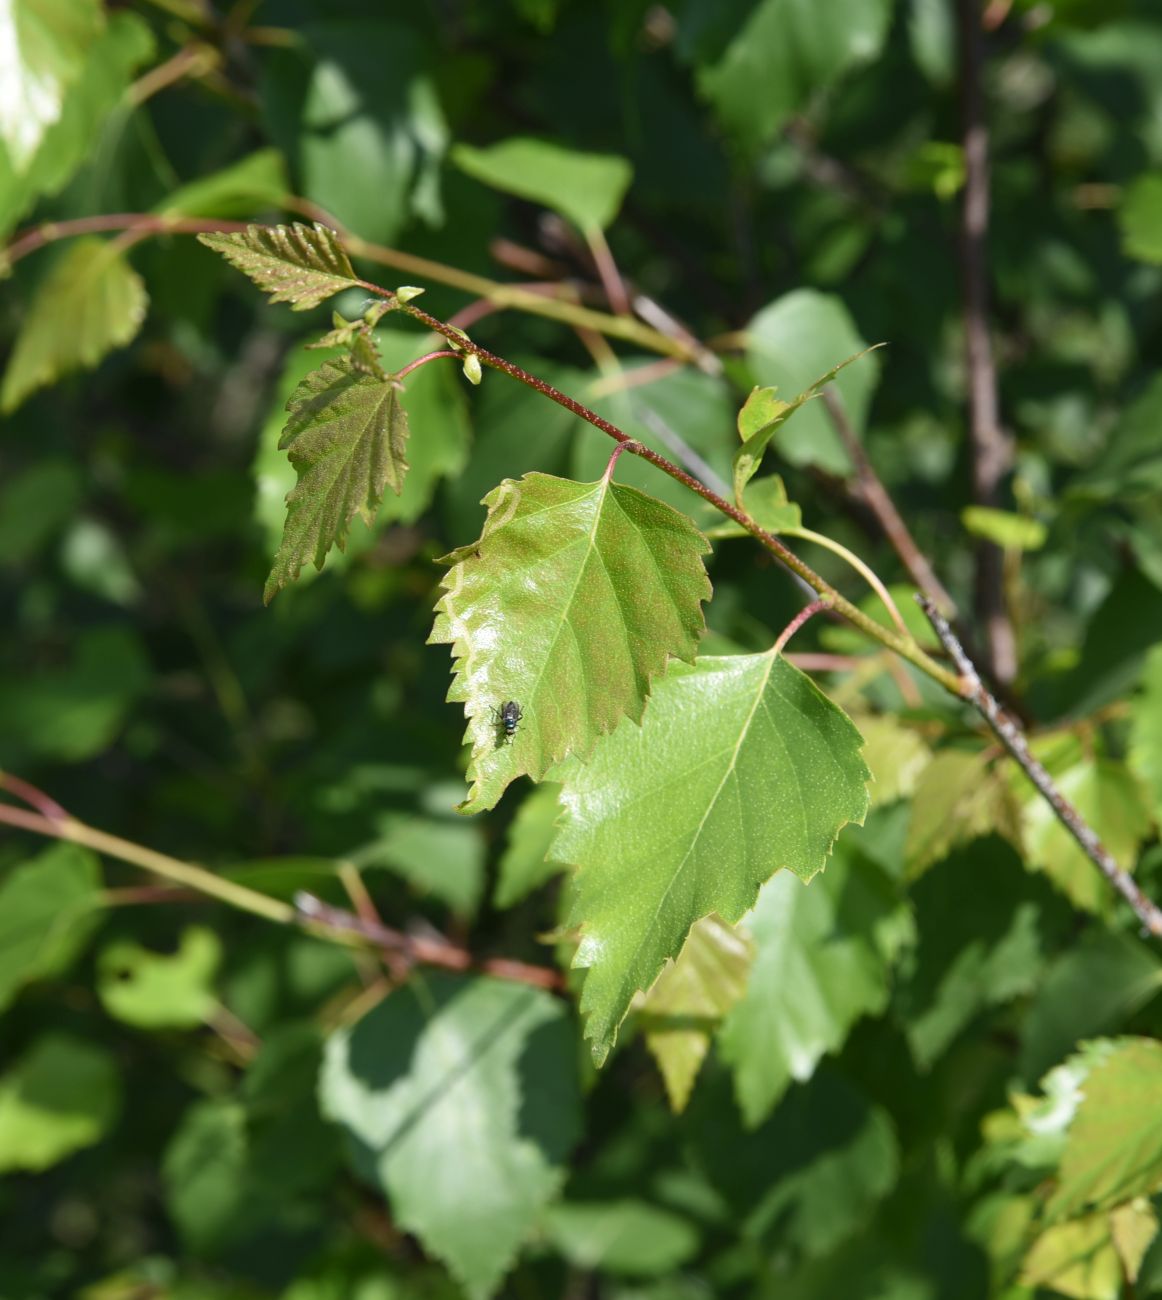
(76, 711)
(627, 1238)
(45, 44)
(1091, 1257)
(791, 341)
(1113, 1150)
(89, 102)
(89, 303)
(48, 908)
(161, 990)
(205, 1173)
(604, 583)
(257, 181)
(60, 1096)
(346, 437)
(823, 957)
(1112, 801)
(959, 796)
(440, 857)
(783, 54)
(744, 766)
(983, 926)
(298, 264)
(353, 105)
(586, 188)
(1009, 531)
(896, 754)
(1090, 990)
(460, 1100)
(35, 504)
(1145, 754)
(1140, 218)
(525, 864)
(690, 997)
(763, 415)
(807, 1178)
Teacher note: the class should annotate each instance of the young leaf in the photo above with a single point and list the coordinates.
(91, 302)
(570, 604)
(690, 997)
(1091, 1257)
(297, 264)
(346, 436)
(742, 766)
(814, 975)
(792, 339)
(460, 1099)
(1113, 1151)
(763, 415)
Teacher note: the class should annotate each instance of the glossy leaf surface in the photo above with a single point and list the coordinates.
(347, 440)
(747, 767)
(606, 585)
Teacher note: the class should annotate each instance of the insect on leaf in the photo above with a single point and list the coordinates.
(297, 264)
(570, 604)
(744, 766)
(346, 436)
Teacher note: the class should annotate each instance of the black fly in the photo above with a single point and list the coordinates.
(508, 716)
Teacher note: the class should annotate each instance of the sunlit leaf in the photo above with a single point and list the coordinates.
(298, 264)
(604, 583)
(790, 342)
(763, 415)
(1090, 1258)
(89, 107)
(347, 438)
(245, 187)
(89, 303)
(745, 767)
(61, 1095)
(823, 957)
(155, 990)
(48, 908)
(1113, 1150)
(958, 797)
(460, 1100)
(1140, 218)
(587, 188)
(45, 43)
(689, 998)
(1112, 801)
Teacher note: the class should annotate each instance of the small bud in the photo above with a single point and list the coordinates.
(472, 371)
(406, 292)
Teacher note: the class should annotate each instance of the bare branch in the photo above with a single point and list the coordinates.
(992, 450)
(1013, 738)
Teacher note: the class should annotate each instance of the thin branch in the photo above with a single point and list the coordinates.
(903, 645)
(142, 224)
(871, 489)
(806, 613)
(161, 864)
(314, 912)
(34, 797)
(1012, 737)
(992, 451)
